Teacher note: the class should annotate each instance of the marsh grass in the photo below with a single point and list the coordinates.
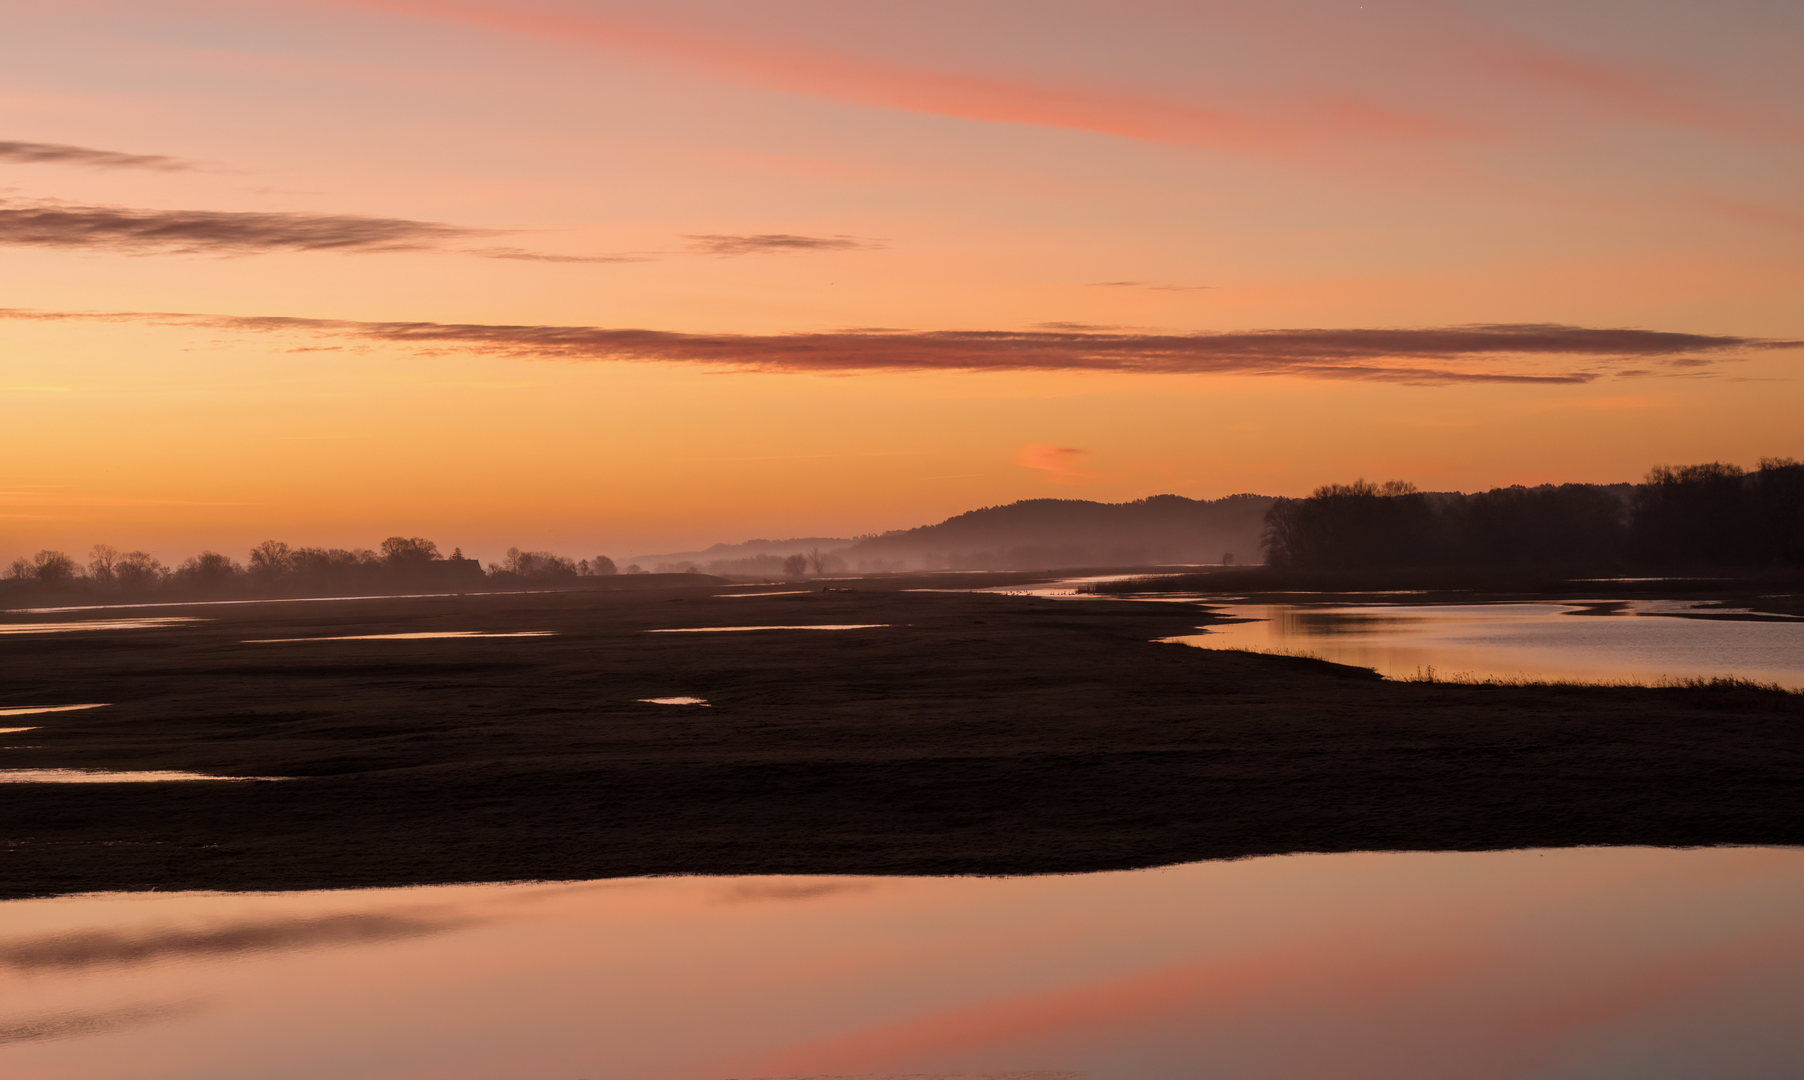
(1721, 684)
(1714, 684)
(1299, 654)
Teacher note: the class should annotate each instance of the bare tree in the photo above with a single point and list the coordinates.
(102, 558)
(538, 565)
(138, 570)
(271, 558)
(817, 561)
(408, 551)
(209, 570)
(46, 567)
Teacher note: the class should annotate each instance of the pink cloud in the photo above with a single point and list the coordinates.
(1329, 78)
(1268, 123)
(1060, 461)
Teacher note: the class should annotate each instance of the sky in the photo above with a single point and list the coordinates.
(597, 276)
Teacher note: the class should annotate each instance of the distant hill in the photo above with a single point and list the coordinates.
(751, 557)
(1044, 534)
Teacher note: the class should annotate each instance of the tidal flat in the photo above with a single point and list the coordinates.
(519, 737)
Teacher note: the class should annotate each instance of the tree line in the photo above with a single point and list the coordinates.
(1688, 518)
(274, 568)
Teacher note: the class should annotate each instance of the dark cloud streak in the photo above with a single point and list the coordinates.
(58, 225)
(773, 244)
(1506, 353)
(32, 153)
(1154, 287)
(136, 231)
(523, 255)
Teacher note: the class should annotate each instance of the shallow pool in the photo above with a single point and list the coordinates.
(1641, 641)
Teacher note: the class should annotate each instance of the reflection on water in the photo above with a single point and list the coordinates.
(96, 624)
(32, 710)
(104, 776)
(732, 596)
(1576, 963)
(730, 629)
(1637, 641)
(404, 637)
(673, 700)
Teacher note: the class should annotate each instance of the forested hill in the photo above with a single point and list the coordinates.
(1045, 533)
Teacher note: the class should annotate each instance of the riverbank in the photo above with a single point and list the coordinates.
(957, 733)
(1759, 593)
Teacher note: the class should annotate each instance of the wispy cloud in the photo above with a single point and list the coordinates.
(35, 153)
(1154, 286)
(773, 244)
(1059, 462)
(118, 228)
(133, 231)
(1507, 353)
(523, 255)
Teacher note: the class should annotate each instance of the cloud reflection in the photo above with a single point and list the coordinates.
(102, 948)
(82, 1023)
(757, 891)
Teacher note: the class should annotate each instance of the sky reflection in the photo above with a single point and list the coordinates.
(96, 624)
(732, 629)
(106, 776)
(424, 636)
(1496, 966)
(1552, 640)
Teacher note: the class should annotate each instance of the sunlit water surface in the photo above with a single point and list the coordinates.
(1590, 963)
(1641, 641)
(110, 776)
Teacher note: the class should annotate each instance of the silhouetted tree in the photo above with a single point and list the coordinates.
(137, 571)
(795, 566)
(1777, 495)
(535, 565)
(602, 566)
(208, 571)
(1691, 516)
(1574, 526)
(270, 559)
(1361, 525)
(47, 567)
(102, 558)
(408, 552)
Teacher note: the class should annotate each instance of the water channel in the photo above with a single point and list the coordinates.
(1638, 641)
(1634, 641)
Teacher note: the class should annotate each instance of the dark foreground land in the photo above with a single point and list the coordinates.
(974, 734)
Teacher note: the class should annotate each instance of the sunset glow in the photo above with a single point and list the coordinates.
(613, 276)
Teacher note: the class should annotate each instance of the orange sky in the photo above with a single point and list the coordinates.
(1090, 194)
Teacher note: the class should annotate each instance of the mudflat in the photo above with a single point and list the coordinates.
(965, 733)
